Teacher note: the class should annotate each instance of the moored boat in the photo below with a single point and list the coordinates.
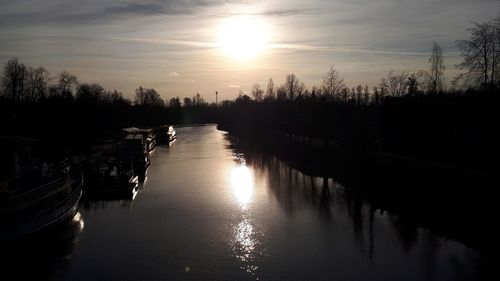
(165, 134)
(37, 194)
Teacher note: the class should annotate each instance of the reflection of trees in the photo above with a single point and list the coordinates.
(295, 191)
(407, 233)
(38, 256)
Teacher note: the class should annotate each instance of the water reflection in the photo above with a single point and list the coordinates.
(78, 222)
(242, 184)
(40, 255)
(245, 235)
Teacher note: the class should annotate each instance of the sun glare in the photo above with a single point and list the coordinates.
(243, 37)
(242, 185)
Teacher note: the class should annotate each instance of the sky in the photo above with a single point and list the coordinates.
(185, 47)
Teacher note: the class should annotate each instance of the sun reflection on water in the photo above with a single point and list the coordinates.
(245, 235)
(242, 185)
(245, 245)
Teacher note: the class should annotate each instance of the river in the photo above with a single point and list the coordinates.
(208, 211)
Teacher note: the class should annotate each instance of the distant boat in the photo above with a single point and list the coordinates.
(107, 173)
(148, 137)
(38, 197)
(165, 134)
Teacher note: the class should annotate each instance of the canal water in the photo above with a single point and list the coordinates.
(208, 211)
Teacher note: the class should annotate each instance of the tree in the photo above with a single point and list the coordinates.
(187, 102)
(175, 102)
(257, 92)
(14, 80)
(38, 79)
(281, 93)
(333, 84)
(293, 86)
(412, 84)
(148, 97)
(396, 84)
(481, 56)
(359, 93)
(198, 100)
(115, 97)
(437, 69)
(270, 93)
(243, 99)
(66, 82)
(90, 93)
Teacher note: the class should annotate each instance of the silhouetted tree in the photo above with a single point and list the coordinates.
(148, 97)
(412, 84)
(257, 93)
(90, 93)
(174, 102)
(115, 97)
(333, 84)
(293, 86)
(198, 100)
(481, 56)
(187, 102)
(367, 95)
(243, 99)
(38, 79)
(14, 79)
(281, 93)
(396, 84)
(359, 93)
(66, 81)
(437, 69)
(270, 93)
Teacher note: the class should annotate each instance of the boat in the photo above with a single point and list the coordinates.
(148, 137)
(110, 172)
(165, 134)
(133, 149)
(35, 194)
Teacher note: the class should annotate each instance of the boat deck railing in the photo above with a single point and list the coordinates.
(32, 194)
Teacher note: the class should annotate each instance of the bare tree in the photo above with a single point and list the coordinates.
(293, 86)
(437, 69)
(14, 79)
(148, 97)
(257, 93)
(281, 93)
(333, 84)
(395, 84)
(38, 79)
(270, 93)
(66, 82)
(412, 84)
(481, 56)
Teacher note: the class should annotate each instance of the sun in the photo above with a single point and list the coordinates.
(243, 37)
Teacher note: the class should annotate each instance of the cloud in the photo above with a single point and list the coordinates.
(52, 12)
(234, 86)
(173, 74)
